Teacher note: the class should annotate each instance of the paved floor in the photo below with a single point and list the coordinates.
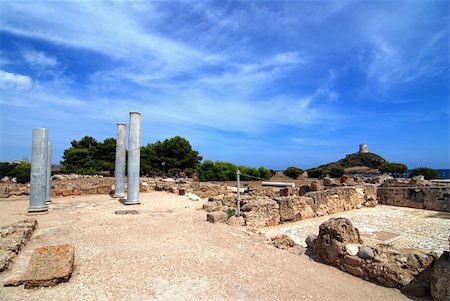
(401, 227)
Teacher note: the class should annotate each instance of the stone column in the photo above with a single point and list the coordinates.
(38, 176)
(49, 174)
(134, 157)
(119, 180)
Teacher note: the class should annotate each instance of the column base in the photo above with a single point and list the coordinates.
(132, 202)
(119, 196)
(38, 210)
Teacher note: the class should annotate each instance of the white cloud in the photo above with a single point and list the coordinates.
(14, 81)
(39, 59)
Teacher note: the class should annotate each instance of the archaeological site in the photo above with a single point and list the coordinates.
(130, 237)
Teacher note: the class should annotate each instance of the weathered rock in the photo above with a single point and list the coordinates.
(355, 271)
(236, 221)
(50, 265)
(282, 241)
(329, 182)
(440, 278)
(340, 229)
(261, 212)
(366, 252)
(14, 280)
(352, 249)
(181, 191)
(353, 261)
(316, 186)
(284, 191)
(294, 208)
(211, 206)
(408, 270)
(217, 217)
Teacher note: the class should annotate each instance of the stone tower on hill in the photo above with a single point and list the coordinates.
(363, 149)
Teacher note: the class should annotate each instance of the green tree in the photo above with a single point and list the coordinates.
(427, 173)
(176, 152)
(88, 156)
(20, 171)
(336, 171)
(395, 169)
(293, 172)
(317, 172)
(225, 171)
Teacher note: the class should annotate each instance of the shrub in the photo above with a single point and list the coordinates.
(396, 169)
(336, 171)
(20, 171)
(225, 171)
(293, 172)
(317, 172)
(427, 173)
(231, 212)
(174, 172)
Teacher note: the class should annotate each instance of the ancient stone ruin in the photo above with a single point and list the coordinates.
(339, 244)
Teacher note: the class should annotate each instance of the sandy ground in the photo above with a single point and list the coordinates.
(169, 252)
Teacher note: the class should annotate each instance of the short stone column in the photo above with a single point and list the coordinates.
(134, 157)
(119, 180)
(38, 174)
(48, 187)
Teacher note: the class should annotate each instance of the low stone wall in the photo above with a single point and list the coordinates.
(12, 238)
(420, 197)
(262, 211)
(339, 244)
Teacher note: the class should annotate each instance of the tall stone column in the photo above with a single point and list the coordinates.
(38, 176)
(49, 174)
(134, 157)
(119, 180)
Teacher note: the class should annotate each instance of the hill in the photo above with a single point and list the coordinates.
(358, 163)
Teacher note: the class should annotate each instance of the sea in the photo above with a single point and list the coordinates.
(445, 173)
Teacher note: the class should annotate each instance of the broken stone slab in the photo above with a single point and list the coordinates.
(50, 265)
(440, 279)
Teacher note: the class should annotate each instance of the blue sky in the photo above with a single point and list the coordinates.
(259, 83)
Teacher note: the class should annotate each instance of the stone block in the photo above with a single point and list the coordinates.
(50, 265)
(217, 217)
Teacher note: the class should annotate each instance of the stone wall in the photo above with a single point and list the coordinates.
(420, 197)
(261, 211)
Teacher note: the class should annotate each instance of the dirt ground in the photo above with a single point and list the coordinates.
(169, 252)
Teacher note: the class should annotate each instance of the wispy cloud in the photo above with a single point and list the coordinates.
(39, 59)
(14, 81)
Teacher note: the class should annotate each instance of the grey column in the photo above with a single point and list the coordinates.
(38, 176)
(134, 157)
(49, 174)
(119, 180)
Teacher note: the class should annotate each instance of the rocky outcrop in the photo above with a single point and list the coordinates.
(12, 238)
(339, 244)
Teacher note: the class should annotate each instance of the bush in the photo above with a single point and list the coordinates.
(427, 173)
(20, 171)
(293, 172)
(317, 172)
(225, 171)
(336, 171)
(231, 212)
(174, 172)
(396, 169)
